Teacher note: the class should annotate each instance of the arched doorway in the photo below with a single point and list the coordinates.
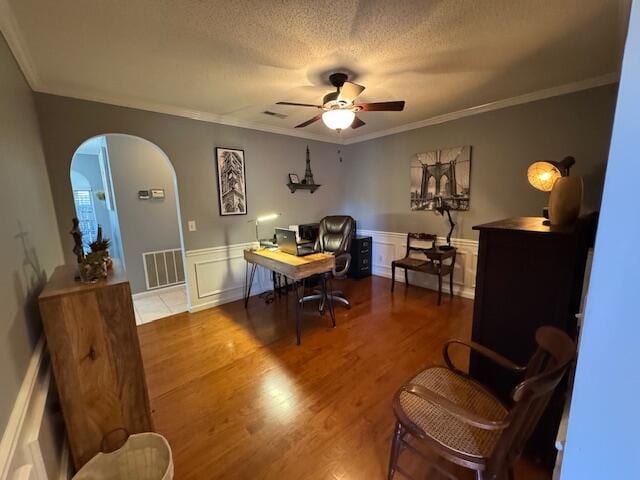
(125, 187)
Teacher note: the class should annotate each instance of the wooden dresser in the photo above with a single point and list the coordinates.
(529, 275)
(93, 343)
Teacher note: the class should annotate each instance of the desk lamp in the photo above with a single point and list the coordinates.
(262, 219)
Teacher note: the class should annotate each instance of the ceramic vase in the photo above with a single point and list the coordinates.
(565, 201)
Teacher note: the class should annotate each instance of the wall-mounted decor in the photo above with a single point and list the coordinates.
(441, 177)
(307, 183)
(231, 181)
(143, 195)
(157, 193)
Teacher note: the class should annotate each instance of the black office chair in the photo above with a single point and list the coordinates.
(334, 236)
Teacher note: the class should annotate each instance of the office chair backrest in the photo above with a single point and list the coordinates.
(335, 233)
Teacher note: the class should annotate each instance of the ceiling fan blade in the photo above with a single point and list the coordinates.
(357, 123)
(382, 106)
(310, 121)
(349, 91)
(298, 104)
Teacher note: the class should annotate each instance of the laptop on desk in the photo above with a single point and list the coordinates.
(287, 243)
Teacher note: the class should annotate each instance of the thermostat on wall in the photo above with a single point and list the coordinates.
(143, 194)
(157, 193)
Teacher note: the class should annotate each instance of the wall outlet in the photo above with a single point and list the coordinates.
(192, 225)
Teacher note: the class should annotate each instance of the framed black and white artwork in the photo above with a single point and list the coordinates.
(232, 192)
(441, 177)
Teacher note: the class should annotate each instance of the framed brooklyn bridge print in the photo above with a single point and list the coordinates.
(441, 178)
(232, 193)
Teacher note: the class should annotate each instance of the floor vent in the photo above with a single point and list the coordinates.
(163, 268)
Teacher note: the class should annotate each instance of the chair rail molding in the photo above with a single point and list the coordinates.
(389, 246)
(33, 445)
(216, 275)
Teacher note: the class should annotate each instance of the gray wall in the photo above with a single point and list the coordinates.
(29, 242)
(145, 225)
(190, 145)
(504, 142)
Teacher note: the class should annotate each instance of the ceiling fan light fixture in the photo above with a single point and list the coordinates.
(338, 119)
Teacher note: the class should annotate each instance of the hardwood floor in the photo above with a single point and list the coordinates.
(236, 398)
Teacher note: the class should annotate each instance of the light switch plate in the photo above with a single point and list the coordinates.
(192, 225)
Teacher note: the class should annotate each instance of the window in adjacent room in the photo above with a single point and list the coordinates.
(86, 214)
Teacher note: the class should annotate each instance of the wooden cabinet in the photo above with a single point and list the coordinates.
(93, 343)
(529, 275)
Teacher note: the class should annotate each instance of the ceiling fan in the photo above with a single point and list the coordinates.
(339, 107)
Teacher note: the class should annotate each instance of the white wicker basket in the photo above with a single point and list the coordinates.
(144, 456)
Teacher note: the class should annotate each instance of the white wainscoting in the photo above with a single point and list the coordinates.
(33, 445)
(389, 246)
(216, 275)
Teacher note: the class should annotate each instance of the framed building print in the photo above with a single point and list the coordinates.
(232, 193)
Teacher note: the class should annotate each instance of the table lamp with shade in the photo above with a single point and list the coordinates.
(565, 199)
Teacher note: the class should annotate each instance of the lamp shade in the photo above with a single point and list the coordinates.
(542, 175)
(338, 119)
(266, 218)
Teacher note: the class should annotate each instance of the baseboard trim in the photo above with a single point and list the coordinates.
(227, 296)
(158, 291)
(458, 290)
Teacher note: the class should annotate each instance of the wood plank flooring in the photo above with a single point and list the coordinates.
(237, 399)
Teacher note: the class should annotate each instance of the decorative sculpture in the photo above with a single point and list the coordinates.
(76, 233)
(443, 207)
(308, 176)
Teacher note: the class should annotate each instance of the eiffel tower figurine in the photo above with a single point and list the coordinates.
(308, 176)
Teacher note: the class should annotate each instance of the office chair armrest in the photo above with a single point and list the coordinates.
(482, 350)
(347, 258)
(454, 409)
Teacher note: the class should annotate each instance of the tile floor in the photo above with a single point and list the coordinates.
(160, 305)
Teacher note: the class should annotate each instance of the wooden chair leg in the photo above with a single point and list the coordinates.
(393, 276)
(406, 277)
(396, 447)
(439, 289)
(479, 475)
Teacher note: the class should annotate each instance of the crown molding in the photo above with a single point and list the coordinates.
(11, 31)
(186, 113)
(594, 82)
(17, 44)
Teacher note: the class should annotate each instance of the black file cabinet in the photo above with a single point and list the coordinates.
(360, 257)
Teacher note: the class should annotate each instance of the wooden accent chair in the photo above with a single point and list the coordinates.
(461, 421)
(432, 264)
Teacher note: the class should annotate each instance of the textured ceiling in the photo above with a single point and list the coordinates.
(237, 58)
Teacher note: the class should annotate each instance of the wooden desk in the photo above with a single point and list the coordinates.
(293, 267)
